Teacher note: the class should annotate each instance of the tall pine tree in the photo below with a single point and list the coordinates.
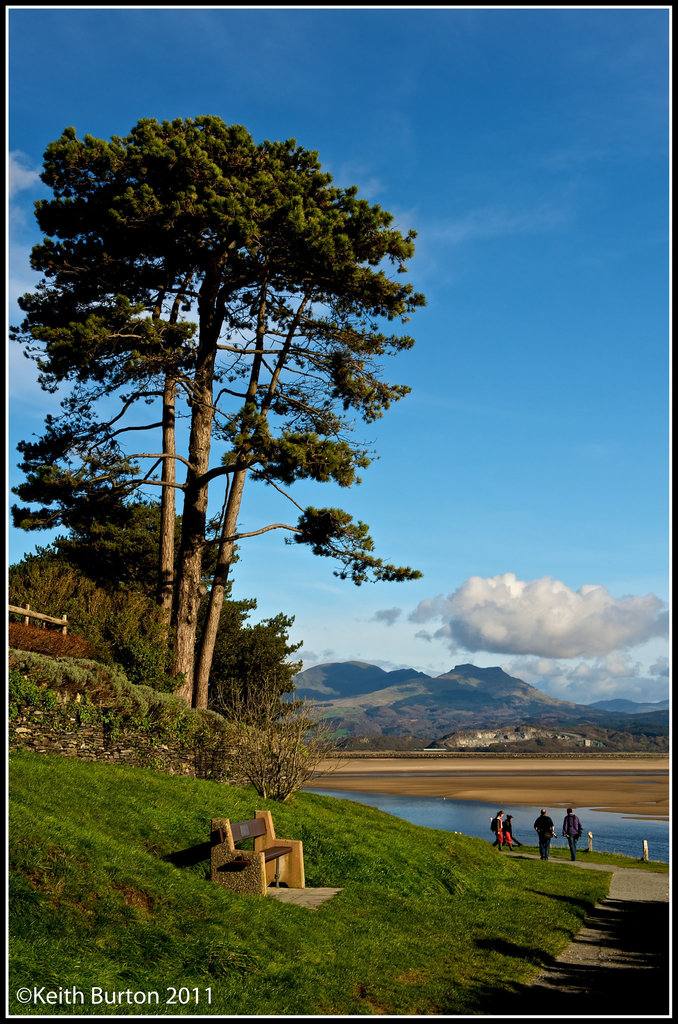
(187, 269)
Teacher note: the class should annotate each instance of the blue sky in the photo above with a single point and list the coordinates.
(527, 475)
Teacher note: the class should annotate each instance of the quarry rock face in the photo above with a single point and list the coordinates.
(473, 739)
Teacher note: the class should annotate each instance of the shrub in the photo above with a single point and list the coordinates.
(25, 692)
(123, 627)
(279, 744)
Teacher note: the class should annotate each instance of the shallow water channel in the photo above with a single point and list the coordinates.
(612, 833)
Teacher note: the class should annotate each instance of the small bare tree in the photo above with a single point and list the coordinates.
(279, 744)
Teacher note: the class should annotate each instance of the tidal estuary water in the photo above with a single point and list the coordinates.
(612, 833)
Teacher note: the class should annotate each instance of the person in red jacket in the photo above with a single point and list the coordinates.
(508, 833)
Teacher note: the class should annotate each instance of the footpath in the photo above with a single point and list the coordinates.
(618, 964)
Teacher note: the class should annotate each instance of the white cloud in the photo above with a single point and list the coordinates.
(444, 633)
(499, 222)
(21, 278)
(311, 658)
(585, 682)
(660, 667)
(25, 395)
(21, 175)
(359, 174)
(387, 615)
(544, 617)
(429, 608)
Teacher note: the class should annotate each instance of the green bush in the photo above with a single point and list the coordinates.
(24, 692)
(122, 626)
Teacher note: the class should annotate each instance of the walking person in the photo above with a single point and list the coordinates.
(497, 827)
(543, 826)
(572, 830)
(508, 832)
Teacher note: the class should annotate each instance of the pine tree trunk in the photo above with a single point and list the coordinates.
(167, 503)
(189, 582)
(200, 692)
(169, 473)
(190, 590)
(216, 603)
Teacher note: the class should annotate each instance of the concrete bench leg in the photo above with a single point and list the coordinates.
(291, 870)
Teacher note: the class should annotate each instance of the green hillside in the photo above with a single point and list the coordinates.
(428, 922)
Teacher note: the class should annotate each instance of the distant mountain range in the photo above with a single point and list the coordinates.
(630, 707)
(363, 699)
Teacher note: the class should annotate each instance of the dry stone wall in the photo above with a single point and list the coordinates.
(84, 709)
(32, 730)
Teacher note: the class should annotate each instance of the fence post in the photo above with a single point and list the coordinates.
(26, 617)
(64, 628)
(590, 842)
(645, 853)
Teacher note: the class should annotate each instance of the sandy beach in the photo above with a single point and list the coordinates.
(637, 787)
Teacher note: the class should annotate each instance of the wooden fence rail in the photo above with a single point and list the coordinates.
(28, 614)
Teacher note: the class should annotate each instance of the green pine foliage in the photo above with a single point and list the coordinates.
(247, 654)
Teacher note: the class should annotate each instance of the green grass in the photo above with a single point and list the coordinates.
(428, 922)
(618, 860)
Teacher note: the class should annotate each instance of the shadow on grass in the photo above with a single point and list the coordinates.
(584, 904)
(190, 857)
(512, 949)
(618, 965)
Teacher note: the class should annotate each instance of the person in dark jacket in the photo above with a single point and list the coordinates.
(543, 826)
(497, 827)
(508, 832)
(572, 830)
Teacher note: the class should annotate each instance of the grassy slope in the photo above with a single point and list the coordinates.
(427, 922)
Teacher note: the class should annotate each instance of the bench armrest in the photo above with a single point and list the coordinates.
(251, 878)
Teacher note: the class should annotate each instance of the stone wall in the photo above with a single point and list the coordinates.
(80, 708)
(33, 730)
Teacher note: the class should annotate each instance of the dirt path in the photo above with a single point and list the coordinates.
(618, 964)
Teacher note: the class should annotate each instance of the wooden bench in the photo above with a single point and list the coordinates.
(242, 830)
(251, 871)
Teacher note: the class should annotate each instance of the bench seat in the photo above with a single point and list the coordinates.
(272, 853)
(251, 871)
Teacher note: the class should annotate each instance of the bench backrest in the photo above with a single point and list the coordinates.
(248, 829)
